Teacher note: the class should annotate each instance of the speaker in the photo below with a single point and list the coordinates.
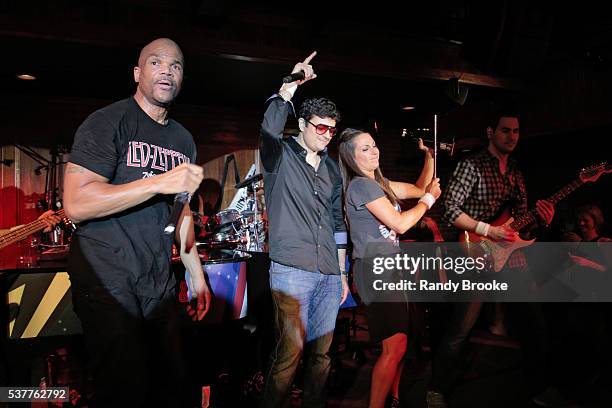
(457, 92)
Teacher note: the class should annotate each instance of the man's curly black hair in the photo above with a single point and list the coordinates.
(321, 107)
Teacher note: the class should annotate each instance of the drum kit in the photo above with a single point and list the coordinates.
(239, 226)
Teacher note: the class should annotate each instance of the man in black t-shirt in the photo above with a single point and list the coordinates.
(127, 161)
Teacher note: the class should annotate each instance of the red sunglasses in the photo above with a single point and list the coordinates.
(321, 129)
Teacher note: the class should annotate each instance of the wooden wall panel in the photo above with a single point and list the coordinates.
(20, 187)
(213, 174)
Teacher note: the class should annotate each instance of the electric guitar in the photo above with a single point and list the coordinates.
(498, 252)
(22, 232)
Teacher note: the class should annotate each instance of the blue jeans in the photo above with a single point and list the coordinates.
(306, 306)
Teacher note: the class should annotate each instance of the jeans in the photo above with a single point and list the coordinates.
(306, 305)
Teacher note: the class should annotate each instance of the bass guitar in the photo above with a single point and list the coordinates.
(23, 231)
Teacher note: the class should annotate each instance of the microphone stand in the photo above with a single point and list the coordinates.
(229, 158)
(255, 212)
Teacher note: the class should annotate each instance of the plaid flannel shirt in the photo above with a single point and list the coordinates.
(478, 189)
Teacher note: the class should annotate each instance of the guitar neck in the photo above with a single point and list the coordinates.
(530, 217)
(24, 231)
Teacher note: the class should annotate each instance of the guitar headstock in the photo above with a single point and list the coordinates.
(592, 173)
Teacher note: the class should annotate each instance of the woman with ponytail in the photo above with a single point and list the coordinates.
(375, 217)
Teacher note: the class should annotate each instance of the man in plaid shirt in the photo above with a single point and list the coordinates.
(486, 183)
(481, 187)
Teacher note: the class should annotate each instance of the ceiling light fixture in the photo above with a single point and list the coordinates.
(26, 77)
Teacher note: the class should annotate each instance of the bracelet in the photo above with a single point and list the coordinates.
(343, 273)
(285, 95)
(482, 228)
(428, 200)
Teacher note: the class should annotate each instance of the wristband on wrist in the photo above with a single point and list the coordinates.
(482, 228)
(428, 200)
(287, 93)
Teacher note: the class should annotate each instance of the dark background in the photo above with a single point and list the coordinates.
(554, 61)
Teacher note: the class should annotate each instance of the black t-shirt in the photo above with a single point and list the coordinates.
(127, 250)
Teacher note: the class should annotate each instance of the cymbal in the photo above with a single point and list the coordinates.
(250, 180)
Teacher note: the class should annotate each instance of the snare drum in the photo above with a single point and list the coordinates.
(221, 240)
(224, 239)
(226, 220)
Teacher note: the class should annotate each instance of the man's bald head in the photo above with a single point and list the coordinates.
(159, 73)
(160, 45)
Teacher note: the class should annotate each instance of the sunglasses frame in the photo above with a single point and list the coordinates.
(327, 128)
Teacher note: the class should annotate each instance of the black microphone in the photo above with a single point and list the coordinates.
(296, 76)
(180, 199)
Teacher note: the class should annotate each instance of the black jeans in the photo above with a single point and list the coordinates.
(133, 344)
